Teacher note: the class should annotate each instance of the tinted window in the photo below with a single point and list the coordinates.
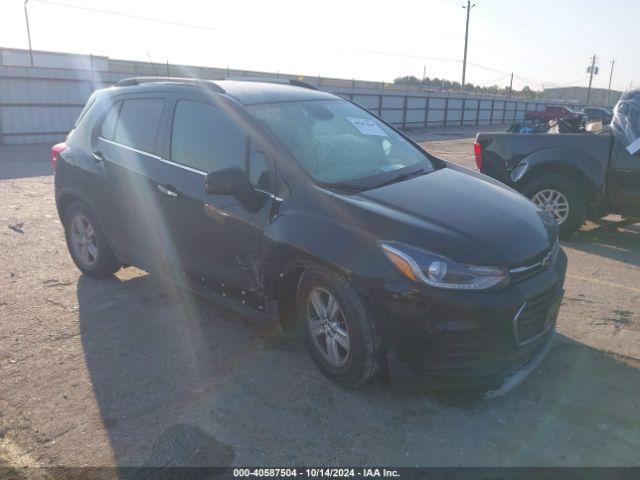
(205, 139)
(138, 122)
(108, 128)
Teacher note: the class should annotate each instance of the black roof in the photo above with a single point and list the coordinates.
(245, 92)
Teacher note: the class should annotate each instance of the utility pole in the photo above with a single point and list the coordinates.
(466, 41)
(592, 70)
(511, 85)
(613, 62)
(26, 16)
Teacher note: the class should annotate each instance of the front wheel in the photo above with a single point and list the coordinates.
(341, 336)
(560, 197)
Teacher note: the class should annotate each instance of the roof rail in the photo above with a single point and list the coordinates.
(127, 82)
(282, 81)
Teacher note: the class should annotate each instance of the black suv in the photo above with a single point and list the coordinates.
(286, 202)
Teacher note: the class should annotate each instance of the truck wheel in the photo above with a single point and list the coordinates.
(87, 243)
(561, 197)
(340, 334)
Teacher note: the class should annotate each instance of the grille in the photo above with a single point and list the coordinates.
(536, 316)
(544, 261)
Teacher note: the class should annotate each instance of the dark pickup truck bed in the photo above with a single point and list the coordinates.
(572, 176)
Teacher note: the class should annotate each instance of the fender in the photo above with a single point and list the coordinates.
(62, 191)
(572, 160)
(298, 239)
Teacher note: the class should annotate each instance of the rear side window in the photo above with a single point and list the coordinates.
(136, 124)
(108, 128)
(87, 107)
(204, 138)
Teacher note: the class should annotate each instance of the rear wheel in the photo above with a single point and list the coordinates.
(560, 197)
(341, 336)
(87, 243)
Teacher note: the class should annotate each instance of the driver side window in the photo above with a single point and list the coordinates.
(258, 169)
(205, 139)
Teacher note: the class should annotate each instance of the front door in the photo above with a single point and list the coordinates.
(212, 240)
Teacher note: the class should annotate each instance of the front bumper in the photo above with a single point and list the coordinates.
(460, 339)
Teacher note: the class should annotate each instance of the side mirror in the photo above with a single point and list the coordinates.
(235, 182)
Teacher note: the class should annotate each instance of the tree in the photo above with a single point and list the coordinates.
(442, 84)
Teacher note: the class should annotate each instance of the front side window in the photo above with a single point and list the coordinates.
(336, 142)
(137, 124)
(204, 138)
(258, 169)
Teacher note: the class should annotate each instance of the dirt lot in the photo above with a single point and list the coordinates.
(129, 371)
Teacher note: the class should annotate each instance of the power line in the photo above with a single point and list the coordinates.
(403, 55)
(518, 28)
(126, 15)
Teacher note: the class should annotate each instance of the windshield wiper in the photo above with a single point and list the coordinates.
(345, 187)
(401, 177)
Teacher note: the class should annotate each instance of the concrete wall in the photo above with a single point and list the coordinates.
(41, 103)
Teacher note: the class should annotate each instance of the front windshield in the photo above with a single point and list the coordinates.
(337, 142)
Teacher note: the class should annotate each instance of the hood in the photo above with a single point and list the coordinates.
(452, 213)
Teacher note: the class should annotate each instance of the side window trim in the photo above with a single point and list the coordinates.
(127, 147)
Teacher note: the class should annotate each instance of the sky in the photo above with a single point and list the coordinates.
(546, 43)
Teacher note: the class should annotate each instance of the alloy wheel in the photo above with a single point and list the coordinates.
(553, 202)
(83, 240)
(328, 327)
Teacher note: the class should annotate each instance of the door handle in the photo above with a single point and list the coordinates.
(98, 157)
(170, 192)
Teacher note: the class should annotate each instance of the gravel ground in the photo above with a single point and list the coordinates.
(130, 371)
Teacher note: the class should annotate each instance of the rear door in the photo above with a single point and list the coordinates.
(126, 144)
(212, 239)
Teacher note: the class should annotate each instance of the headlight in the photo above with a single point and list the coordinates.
(438, 271)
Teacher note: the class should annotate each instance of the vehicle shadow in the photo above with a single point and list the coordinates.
(180, 381)
(24, 161)
(620, 244)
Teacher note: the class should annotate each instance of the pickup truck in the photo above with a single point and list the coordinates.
(551, 112)
(571, 176)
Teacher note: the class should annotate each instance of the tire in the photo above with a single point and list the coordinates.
(570, 190)
(96, 259)
(362, 361)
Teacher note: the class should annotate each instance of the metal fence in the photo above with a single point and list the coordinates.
(420, 111)
(41, 103)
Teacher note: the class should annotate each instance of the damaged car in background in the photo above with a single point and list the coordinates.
(571, 176)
